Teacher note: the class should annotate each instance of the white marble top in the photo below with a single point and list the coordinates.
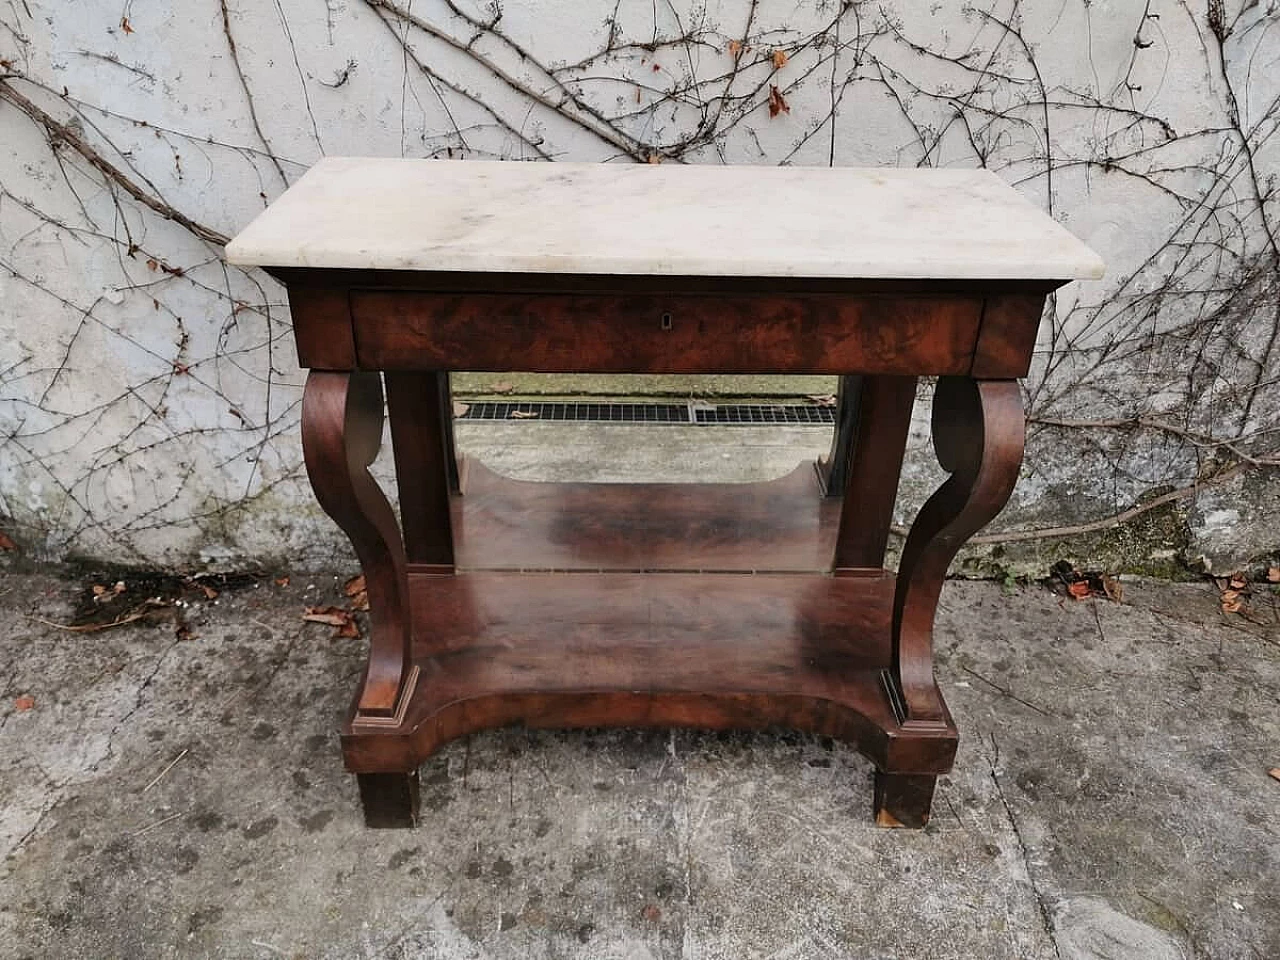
(664, 219)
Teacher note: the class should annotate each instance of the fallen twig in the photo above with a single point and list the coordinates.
(89, 627)
(158, 823)
(1008, 693)
(160, 775)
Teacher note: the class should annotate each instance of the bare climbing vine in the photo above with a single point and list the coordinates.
(1151, 127)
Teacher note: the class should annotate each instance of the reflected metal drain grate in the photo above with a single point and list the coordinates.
(748, 414)
(687, 414)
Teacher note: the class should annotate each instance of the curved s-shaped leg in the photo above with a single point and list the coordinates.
(978, 433)
(341, 433)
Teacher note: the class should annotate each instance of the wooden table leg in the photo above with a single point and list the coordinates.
(833, 469)
(341, 434)
(872, 464)
(421, 412)
(445, 392)
(978, 432)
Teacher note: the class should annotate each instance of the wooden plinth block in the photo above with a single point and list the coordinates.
(903, 799)
(390, 800)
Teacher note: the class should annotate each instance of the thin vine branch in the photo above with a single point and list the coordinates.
(61, 133)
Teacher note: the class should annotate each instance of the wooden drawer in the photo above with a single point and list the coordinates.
(687, 333)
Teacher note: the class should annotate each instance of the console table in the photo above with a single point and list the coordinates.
(494, 601)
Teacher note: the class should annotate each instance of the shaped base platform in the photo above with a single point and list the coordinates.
(717, 651)
(603, 640)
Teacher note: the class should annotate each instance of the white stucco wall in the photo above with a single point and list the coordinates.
(149, 392)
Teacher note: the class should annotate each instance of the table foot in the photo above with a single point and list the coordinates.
(390, 800)
(903, 799)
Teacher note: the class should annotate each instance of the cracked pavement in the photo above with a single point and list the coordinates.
(186, 798)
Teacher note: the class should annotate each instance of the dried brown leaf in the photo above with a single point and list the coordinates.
(102, 594)
(209, 592)
(523, 414)
(333, 616)
(1274, 773)
(342, 620)
(460, 409)
(355, 589)
(1235, 594)
(777, 102)
(125, 25)
(282, 581)
(780, 59)
(24, 703)
(1113, 588)
(6, 543)
(735, 48)
(1273, 575)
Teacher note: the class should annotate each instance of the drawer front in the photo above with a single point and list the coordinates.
(608, 333)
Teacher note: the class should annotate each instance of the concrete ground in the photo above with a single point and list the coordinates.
(170, 792)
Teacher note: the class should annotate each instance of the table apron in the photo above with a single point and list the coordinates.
(656, 333)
